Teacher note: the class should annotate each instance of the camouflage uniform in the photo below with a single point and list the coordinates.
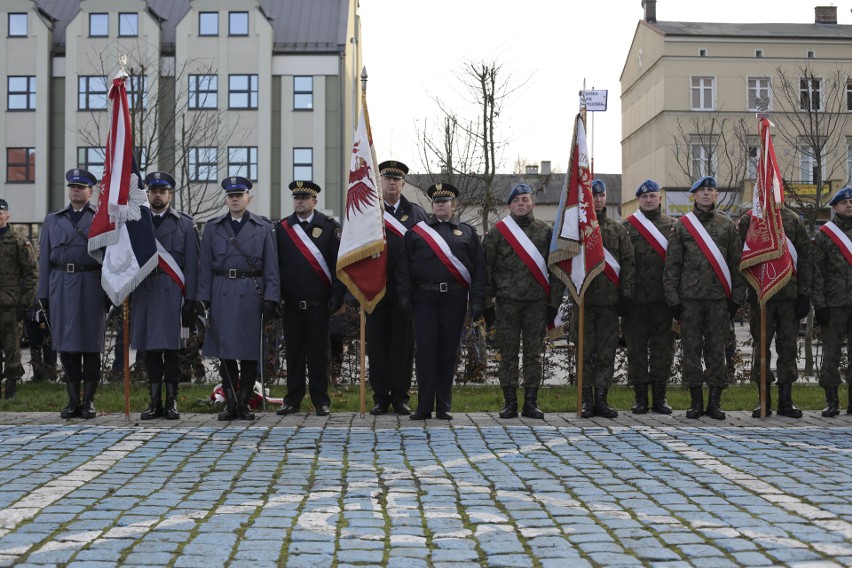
(648, 327)
(690, 281)
(521, 301)
(18, 274)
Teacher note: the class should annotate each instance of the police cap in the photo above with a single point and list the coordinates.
(302, 188)
(160, 179)
(442, 192)
(393, 169)
(80, 177)
(236, 184)
(3, 205)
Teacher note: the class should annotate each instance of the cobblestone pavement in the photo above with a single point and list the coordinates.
(309, 491)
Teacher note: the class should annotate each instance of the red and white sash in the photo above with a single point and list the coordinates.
(309, 250)
(442, 250)
(839, 238)
(525, 249)
(651, 233)
(393, 224)
(169, 265)
(710, 249)
(794, 254)
(612, 269)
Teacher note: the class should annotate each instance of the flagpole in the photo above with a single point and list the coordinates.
(763, 351)
(581, 331)
(125, 311)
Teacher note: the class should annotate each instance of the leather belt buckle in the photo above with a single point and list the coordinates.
(232, 273)
(443, 286)
(69, 268)
(303, 305)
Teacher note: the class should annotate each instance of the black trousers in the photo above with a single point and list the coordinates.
(244, 377)
(84, 367)
(390, 348)
(163, 366)
(306, 340)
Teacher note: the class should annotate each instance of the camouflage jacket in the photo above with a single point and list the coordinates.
(648, 288)
(507, 275)
(688, 274)
(18, 270)
(800, 282)
(832, 277)
(602, 292)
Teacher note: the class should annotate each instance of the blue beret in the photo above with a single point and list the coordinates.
(235, 184)
(706, 181)
(598, 186)
(648, 186)
(520, 189)
(80, 177)
(160, 179)
(845, 193)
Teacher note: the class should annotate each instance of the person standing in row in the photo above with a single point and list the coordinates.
(443, 268)
(238, 286)
(308, 242)
(161, 305)
(70, 293)
(648, 326)
(390, 331)
(18, 276)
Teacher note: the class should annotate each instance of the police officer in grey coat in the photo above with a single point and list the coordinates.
(237, 286)
(161, 304)
(70, 292)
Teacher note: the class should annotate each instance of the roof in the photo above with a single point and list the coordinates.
(787, 31)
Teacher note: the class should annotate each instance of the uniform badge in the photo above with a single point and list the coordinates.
(404, 218)
(457, 232)
(316, 232)
(337, 232)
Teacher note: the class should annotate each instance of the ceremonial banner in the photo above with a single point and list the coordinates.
(362, 258)
(766, 262)
(576, 253)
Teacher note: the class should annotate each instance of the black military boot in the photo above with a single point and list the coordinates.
(696, 407)
(171, 410)
(785, 402)
(230, 412)
(244, 410)
(714, 404)
(11, 388)
(510, 408)
(72, 410)
(660, 404)
(155, 409)
(602, 407)
(832, 402)
(640, 406)
(755, 413)
(588, 408)
(849, 402)
(87, 409)
(531, 409)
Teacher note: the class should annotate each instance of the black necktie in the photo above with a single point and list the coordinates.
(390, 209)
(305, 225)
(236, 225)
(158, 220)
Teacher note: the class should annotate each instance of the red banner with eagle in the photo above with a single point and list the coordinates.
(361, 260)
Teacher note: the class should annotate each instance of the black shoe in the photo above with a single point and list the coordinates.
(155, 409)
(602, 407)
(443, 415)
(832, 403)
(287, 409)
(230, 413)
(530, 408)
(322, 410)
(401, 407)
(171, 410)
(510, 406)
(755, 413)
(660, 405)
(379, 409)
(72, 409)
(640, 406)
(87, 409)
(417, 415)
(696, 407)
(785, 402)
(587, 408)
(714, 404)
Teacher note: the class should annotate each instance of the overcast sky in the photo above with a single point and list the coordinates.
(413, 49)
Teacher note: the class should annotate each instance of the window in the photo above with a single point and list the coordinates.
(202, 91)
(849, 160)
(809, 164)
(137, 91)
(809, 94)
(242, 161)
(303, 93)
(202, 163)
(20, 165)
(242, 91)
(92, 159)
(17, 25)
(758, 53)
(303, 163)
(208, 23)
(753, 158)
(849, 95)
(21, 93)
(238, 23)
(811, 54)
(98, 25)
(128, 24)
(702, 53)
(758, 93)
(702, 93)
(141, 155)
(92, 93)
(704, 161)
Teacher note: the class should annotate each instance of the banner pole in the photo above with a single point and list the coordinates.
(125, 311)
(363, 359)
(580, 332)
(763, 351)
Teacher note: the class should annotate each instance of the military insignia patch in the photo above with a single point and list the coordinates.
(457, 232)
(316, 232)
(404, 218)
(337, 232)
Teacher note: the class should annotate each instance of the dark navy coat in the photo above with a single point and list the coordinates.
(299, 281)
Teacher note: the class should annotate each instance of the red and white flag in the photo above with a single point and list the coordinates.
(576, 253)
(362, 257)
(766, 261)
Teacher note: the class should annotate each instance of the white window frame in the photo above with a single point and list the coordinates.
(699, 159)
(752, 157)
(702, 88)
(758, 87)
(807, 90)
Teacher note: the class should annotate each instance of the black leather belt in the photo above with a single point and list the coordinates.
(304, 304)
(234, 273)
(71, 268)
(440, 286)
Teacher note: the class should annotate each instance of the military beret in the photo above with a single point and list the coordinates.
(236, 184)
(3, 205)
(301, 188)
(393, 169)
(442, 192)
(845, 193)
(160, 179)
(598, 186)
(80, 177)
(648, 186)
(520, 189)
(706, 181)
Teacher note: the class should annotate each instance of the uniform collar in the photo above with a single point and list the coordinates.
(525, 220)
(845, 223)
(704, 215)
(433, 220)
(655, 214)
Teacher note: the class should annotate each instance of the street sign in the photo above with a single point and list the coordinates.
(594, 100)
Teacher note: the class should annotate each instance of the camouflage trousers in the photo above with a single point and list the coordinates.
(10, 343)
(839, 330)
(517, 321)
(782, 324)
(600, 340)
(704, 330)
(650, 343)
